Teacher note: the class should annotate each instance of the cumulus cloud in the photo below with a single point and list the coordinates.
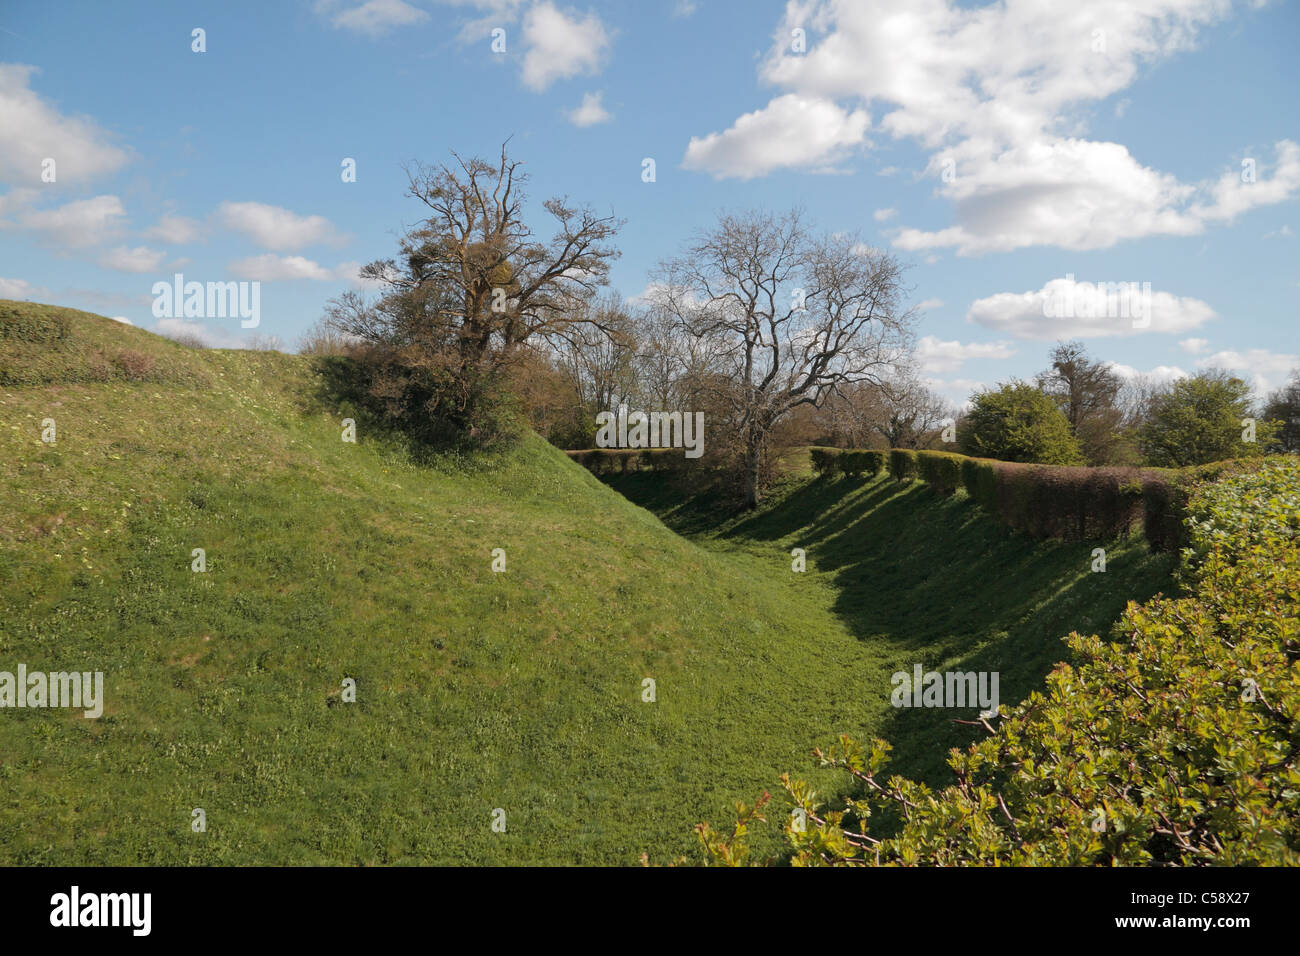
(373, 18)
(139, 259)
(32, 130)
(177, 230)
(16, 289)
(121, 318)
(1263, 368)
(792, 131)
(1160, 375)
(1194, 346)
(275, 228)
(999, 94)
(926, 305)
(220, 339)
(85, 222)
(591, 112)
(1066, 308)
(882, 215)
(561, 45)
(273, 268)
(940, 358)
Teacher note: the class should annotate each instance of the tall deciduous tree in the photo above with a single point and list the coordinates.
(473, 283)
(1284, 406)
(1087, 391)
(793, 314)
(1202, 419)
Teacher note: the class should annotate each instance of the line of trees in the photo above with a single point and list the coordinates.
(758, 317)
(780, 333)
(1079, 411)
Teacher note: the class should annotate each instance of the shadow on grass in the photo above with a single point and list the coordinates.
(931, 581)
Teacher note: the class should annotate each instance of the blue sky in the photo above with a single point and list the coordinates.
(1101, 140)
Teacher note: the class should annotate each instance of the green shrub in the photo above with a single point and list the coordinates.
(1171, 744)
(824, 460)
(902, 464)
(856, 463)
(1017, 422)
(941, 470)
(980, 479)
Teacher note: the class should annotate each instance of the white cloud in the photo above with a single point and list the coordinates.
(927, 304)
(940, 357)
(121, 318)
(210, 338)
(85, 222)
(273, 268)
(591, 112)
(791, 131)
(177, 230)
(1265, 369)
(1066, 308)
(1283, 233)
(881, 215)
(275, 228)
(350, 272)
(561, 45)
(1194, 346)
(373, 18)
(139, 259)
(16, 289)
(31, 130)
(684, 8)
(1003, 91)
(1160, 375)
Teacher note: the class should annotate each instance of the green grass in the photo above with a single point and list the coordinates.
(919, 579)
(476, 690)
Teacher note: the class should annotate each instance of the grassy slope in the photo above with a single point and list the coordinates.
(330, 560)
(476, 690)
(920, 580)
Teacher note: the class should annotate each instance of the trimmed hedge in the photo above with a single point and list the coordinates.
(902, 464)
(610, 461)
(825, 461)
(855, 463)
(1047, 501)
(941, 470)
(852, 462)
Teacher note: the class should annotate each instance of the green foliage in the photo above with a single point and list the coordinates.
(1201, 419)
(855, 463)
(825, 461)
(1017, 422)
(846, 461)
(1174, 743)
(621, 461)
(979, 478)
(941, 470)
(903, 464)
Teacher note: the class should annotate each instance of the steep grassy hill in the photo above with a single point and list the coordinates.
(476, 690)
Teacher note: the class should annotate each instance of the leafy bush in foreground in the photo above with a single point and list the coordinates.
(1175, 743)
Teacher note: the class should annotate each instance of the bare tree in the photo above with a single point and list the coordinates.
(910, 415)
(793, 314)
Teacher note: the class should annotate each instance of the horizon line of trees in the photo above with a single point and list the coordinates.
(780, 333)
